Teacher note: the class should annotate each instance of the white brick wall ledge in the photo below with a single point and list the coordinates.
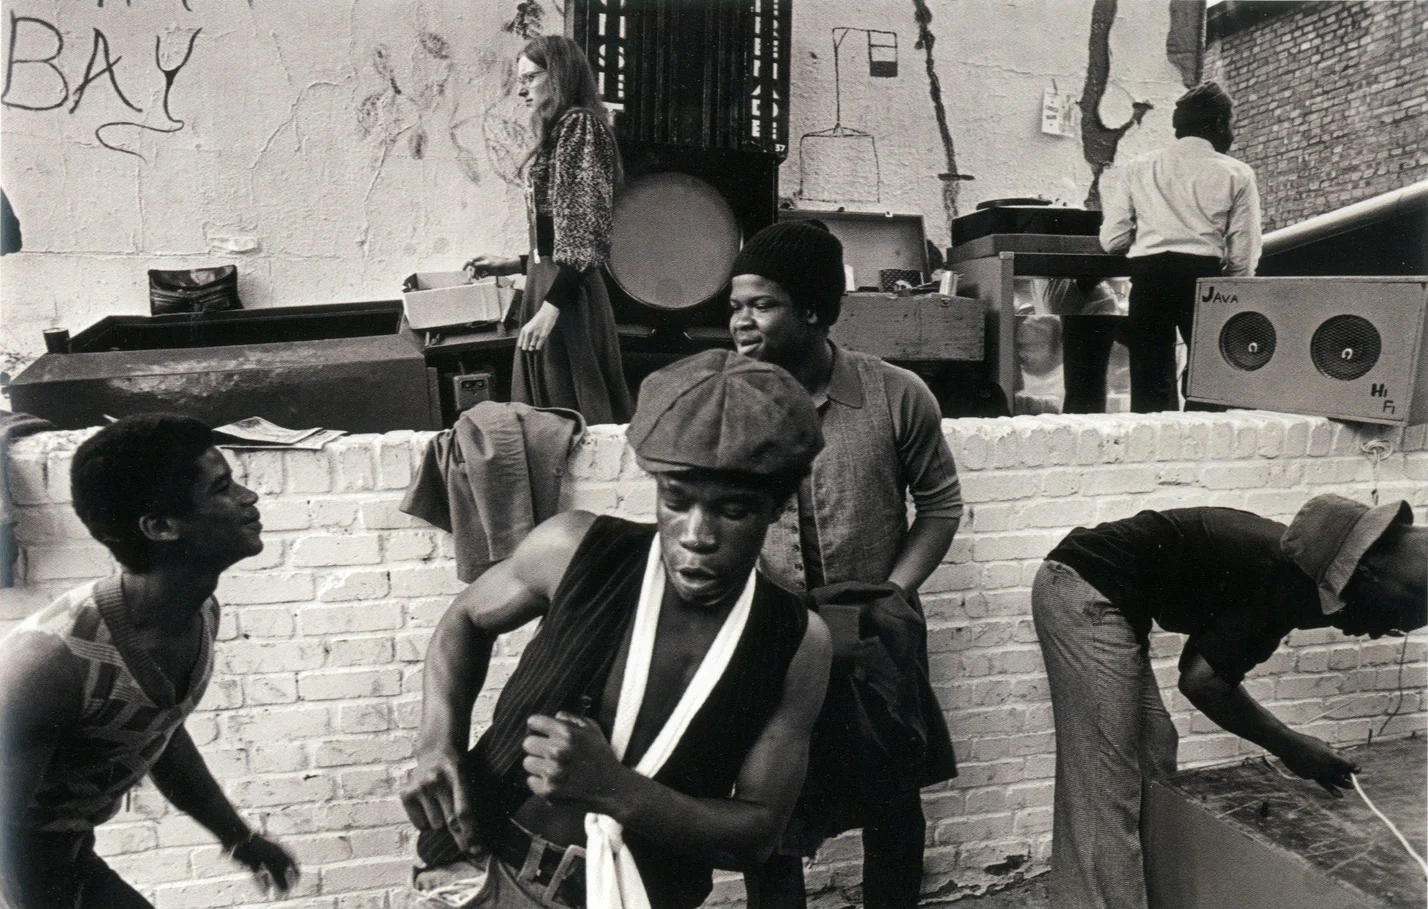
(317, 690)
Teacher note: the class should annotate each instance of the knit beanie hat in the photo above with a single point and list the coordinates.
(802, 258)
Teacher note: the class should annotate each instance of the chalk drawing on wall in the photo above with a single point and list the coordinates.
(419, 107)
(951, 178)
(1099, 141)
(526, 22)
(840, 164)
(49, 88)
(424, 113)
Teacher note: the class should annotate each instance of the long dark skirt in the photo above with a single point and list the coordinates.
(579, 368)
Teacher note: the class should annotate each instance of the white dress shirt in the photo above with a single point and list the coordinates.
(1187, 198)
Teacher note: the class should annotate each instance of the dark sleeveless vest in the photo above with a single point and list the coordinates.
(567, 662)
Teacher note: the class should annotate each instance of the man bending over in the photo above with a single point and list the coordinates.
(1236, 584)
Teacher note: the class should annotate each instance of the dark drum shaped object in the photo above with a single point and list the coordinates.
(673, 242)
(350, 366)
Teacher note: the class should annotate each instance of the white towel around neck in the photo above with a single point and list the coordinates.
(612, 881)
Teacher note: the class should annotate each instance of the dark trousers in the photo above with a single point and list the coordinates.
(1162, 300)
(61, 871)
(1086, 343)
(892, 862)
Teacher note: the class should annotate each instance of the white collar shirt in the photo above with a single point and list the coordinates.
(1187, 198)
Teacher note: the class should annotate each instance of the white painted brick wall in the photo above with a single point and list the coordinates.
(309, 721)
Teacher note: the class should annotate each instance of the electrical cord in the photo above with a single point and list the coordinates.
(1398, 704)
(1374, 808)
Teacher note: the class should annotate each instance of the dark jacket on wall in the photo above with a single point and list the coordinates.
(491, 478)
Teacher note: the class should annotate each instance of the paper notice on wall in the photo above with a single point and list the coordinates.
(1058, 113)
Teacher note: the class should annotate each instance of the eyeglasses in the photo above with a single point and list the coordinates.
(528, 79)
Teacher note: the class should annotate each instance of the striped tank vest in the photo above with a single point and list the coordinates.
(129, 712)
(571, 656)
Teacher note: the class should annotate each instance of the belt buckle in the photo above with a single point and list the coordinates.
(534, 865)
(563, 871)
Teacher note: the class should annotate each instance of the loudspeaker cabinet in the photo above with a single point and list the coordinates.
(1352, 348)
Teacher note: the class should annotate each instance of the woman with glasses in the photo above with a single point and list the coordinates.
(567, 354)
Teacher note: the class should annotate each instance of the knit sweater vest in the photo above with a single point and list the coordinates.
(129, 712)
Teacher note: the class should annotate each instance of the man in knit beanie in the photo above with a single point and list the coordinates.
(845, 541)
(1179, 214)
(665, 675)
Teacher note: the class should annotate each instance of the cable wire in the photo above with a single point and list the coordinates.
(1374, 808)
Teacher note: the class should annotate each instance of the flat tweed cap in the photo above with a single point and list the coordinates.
(720, 411)
(1329, 536)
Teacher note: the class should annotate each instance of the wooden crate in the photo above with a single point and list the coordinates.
(920, 328)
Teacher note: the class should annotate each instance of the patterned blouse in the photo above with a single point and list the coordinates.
(571, 183)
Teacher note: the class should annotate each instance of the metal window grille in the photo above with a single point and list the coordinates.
(712, 74)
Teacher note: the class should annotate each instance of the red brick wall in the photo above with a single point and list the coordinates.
(1331, 102)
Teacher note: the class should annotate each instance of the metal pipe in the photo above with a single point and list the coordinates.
(1350, 217)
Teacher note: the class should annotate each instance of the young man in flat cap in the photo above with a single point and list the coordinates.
(1182, 213)
(657, 724)
(1236, 584)
(883, 440)
(95, 688)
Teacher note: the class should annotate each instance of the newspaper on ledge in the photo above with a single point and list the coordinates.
(258, 433)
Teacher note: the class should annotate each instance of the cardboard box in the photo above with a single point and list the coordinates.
(445, 299)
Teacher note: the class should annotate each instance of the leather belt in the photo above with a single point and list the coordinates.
(539, 863)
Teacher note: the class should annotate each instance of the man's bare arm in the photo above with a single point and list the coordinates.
(1233, 710)
(575, 766)
(503, 599)
(41, 687)
(183, 777)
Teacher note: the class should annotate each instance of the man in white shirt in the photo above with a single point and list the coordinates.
(1182, 213)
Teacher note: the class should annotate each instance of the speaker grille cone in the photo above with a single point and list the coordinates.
(1247, 341)
(1345, 347)
(674, 240)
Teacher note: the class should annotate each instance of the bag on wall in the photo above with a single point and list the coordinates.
(193, 290)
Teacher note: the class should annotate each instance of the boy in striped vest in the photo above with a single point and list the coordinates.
(95, 688)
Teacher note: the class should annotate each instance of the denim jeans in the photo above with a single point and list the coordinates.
(1113, 734)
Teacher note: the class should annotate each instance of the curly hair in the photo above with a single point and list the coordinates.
(572, 86)
(138, 466)
(1203, 110)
